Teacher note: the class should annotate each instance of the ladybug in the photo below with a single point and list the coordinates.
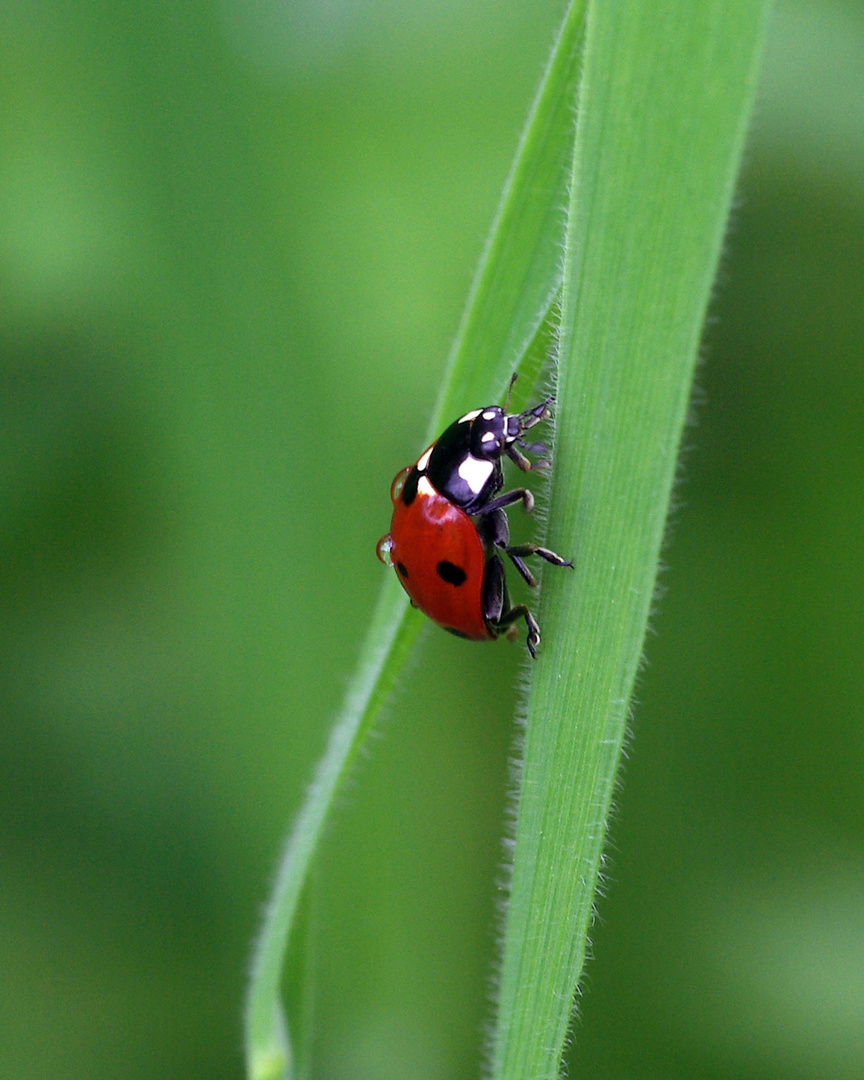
(449, 525)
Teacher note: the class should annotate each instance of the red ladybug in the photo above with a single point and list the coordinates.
(449, 525)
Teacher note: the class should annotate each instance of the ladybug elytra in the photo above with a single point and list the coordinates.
(449, 525)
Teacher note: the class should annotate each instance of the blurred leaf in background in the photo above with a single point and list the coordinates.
(235, 240)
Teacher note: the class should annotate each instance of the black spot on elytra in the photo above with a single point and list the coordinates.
(452, 574)
(402, 570)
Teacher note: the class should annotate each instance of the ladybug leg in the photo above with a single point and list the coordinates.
(544, 553)
(520, 423)
(522, 495)
(534, 447)
(495, 529)
(534, 415)
(522, 568)
(522, 462)
(497, 610)
(519, 551)
(496, 605)
(493, 526)
(495, 598)
(520, 611)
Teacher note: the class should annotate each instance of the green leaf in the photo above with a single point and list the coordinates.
(664, 101)
(518, 280)
(508, 319)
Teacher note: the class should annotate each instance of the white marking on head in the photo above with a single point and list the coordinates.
(489, 414)
(423, 463)
(475, 472)
(424, 487)
(488, 437)
(468, 416)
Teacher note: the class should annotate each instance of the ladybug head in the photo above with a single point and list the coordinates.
(493, 431)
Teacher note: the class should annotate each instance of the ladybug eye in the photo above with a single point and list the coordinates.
(385, 548)
(399, 482)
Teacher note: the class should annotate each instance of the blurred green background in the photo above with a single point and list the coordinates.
(235, 239)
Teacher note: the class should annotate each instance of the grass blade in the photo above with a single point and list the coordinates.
(664, 101)
(388, 643)
(510, 311)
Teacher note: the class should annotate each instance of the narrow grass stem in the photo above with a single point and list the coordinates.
(511, 309)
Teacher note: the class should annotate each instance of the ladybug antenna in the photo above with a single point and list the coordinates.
(513, 379)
